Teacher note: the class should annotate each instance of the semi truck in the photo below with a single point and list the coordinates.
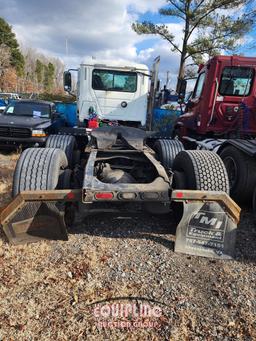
(110, 92)
(112, 159)
(221, 117)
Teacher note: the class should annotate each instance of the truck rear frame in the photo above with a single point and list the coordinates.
(46, 213)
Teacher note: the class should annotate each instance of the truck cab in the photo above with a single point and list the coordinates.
(111, 92)
(223, 100)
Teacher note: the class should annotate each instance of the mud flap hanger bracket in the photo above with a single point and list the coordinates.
(207, 228)
(35, 215)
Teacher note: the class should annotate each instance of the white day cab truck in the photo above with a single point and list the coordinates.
(111, 159)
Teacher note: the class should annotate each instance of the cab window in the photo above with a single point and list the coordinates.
(111, 80)
(236, 81)
(199, 86)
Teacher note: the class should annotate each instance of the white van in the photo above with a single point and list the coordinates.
(9, 95)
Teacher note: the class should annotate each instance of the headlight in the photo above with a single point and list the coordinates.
(38, 133)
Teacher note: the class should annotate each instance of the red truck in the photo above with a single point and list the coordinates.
(221, 116)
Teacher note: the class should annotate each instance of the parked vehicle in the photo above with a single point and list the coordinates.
(28, 123)
(221, 117)
(3, 105)
(113, 92)
(9, 95)
(120, 165)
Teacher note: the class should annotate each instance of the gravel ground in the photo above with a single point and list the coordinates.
(51, 290)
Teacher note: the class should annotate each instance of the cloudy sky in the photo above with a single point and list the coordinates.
(75, 29)
(99, 28)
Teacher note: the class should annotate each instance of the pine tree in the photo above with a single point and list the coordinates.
(39, 71)
(7, 38)
(49, 74)
(218, 25)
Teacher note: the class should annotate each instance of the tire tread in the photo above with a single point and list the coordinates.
(167, 150)
(65, 142)
(38, 169)
(209, 172)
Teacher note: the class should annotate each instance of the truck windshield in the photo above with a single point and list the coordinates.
(110, 80)
(199, 86)
(236, 81)
(28, 109)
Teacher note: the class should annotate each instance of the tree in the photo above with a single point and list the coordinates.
(4, 63)
(209, 26)
(7, 37)
(49, 74)
(39, 71)
(36, 72)
(45, 72)
(59, 69)
(5, 56)
(9, 80)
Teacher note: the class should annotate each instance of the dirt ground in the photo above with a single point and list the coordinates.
(54, 290)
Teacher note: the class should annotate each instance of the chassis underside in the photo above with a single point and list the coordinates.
(118, 166)
(121, 175)
(121, 167)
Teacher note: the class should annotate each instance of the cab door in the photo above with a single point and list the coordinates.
(192, 119)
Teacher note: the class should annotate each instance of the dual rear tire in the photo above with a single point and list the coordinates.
(192, 169)
(40, 169)
(200, 170)
(67, 143)
(241, 170)
(167, 150)
(46, 168)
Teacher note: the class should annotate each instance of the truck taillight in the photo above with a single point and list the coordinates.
(179, 195)
(104, 196)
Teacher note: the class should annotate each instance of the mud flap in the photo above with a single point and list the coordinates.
(33, 216)
(208, 225)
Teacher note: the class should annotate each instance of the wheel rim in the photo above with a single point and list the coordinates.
(232, 171)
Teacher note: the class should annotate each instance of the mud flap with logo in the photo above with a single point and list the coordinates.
(208, 226)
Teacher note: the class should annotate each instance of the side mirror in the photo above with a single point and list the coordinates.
(181, 88)
(67, 81)
(158, 85)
